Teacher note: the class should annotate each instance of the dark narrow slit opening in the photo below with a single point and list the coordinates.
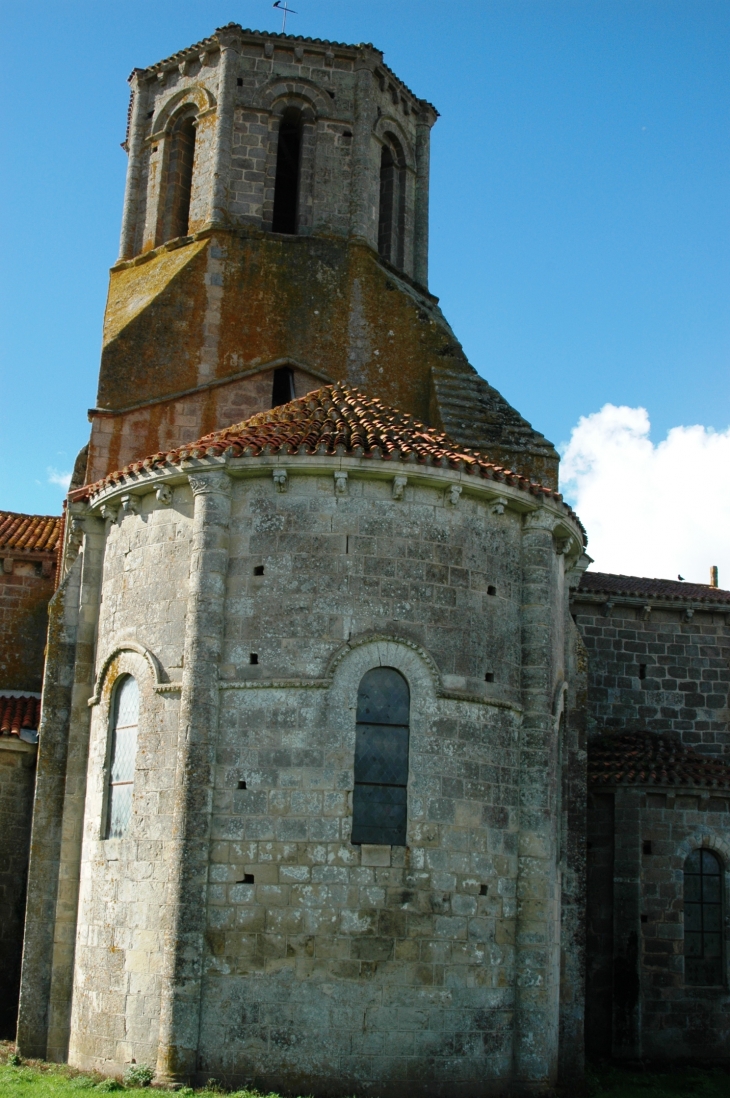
(286, 186)
(253, 657)
(646, 846)
(642, 670)
(282, 389)
(180, 179)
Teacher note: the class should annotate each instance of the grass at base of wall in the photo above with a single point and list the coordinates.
(38, 1079)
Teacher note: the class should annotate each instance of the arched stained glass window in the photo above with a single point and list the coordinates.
(123, 754)
(380, 799)
(703, 919)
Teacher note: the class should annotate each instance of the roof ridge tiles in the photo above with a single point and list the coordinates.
(366, 428)
(652, 758)
(608, 583)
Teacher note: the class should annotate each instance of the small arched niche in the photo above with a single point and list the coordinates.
(179, 177)
(392, 209)
(288, 172)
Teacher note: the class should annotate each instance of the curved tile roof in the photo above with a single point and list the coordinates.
(17, 713)
(650, 758)
(606, 584)
(29, 533)
(335, 420)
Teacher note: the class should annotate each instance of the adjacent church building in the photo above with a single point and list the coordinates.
(331, 767)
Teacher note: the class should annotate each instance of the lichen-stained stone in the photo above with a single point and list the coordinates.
(235, 930)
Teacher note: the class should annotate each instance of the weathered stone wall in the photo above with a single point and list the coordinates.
(638, 1002)
(124, 899)
(371, 967)
(685, 666)
(17, 776)
(350, 104)
(26, 585)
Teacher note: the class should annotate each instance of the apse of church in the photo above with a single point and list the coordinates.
(332, 713)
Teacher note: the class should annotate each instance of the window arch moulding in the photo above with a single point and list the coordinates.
(387, 124)
(278, 94)
(154, 665)
(197, 98)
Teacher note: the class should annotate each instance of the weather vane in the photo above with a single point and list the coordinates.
(285, 11)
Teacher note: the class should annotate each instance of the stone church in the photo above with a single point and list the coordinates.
(345, 775)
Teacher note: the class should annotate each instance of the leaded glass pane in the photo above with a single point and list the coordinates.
(120, 810)
(128, 703)
(123, 754)
(703, 919)
(380, 799)
(383, 697)
(381, 754)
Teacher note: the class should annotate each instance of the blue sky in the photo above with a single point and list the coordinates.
(579, 211)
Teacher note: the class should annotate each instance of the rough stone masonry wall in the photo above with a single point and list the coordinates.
(239, 92)
(26, 586)
(124, 900)
(310, 969)
(342, 962)
(687, 669)
(17, 776)
(638, 1004)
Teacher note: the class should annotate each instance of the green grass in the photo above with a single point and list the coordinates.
(680, 1082)
(37, 1079)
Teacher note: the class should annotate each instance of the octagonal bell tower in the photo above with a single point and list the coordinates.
(274, 237)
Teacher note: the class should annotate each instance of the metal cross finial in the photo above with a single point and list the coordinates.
(285, 11)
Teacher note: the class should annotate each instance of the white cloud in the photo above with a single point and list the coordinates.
(650, 510)
(55, 476)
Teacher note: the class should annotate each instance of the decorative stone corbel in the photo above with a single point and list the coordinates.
(299, 54)
(186, 66)
(130, 506)
(268, 49)
(453, 493)
(689, 614)
(163, 495)
(109, 513)
(399, 486)
(340, 483)
(607, 608)
(646, 612)
(563, 546)
(498, 505)
(281, 480)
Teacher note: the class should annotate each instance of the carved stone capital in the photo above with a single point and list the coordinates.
(210, 483)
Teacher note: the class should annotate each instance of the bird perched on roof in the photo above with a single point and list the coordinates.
(680, 577)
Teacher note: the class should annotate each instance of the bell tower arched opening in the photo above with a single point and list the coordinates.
(179, 179)
(392, 210)
(288, 163)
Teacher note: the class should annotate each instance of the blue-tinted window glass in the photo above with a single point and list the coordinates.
(380, 798)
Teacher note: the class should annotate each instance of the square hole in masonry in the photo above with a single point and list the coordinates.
(247, 879)
(253, 658)
(489, 677)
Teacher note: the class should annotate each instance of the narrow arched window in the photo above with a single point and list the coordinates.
(703, 919)
(179, 179)
(392, 210)
(282, 389)
(286, 185)
(380, 799)
(125, 720)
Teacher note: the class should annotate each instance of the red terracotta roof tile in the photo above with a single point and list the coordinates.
(651, 758)
(604, 583)
(29, 533)
(336, 420)
(17, 713)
